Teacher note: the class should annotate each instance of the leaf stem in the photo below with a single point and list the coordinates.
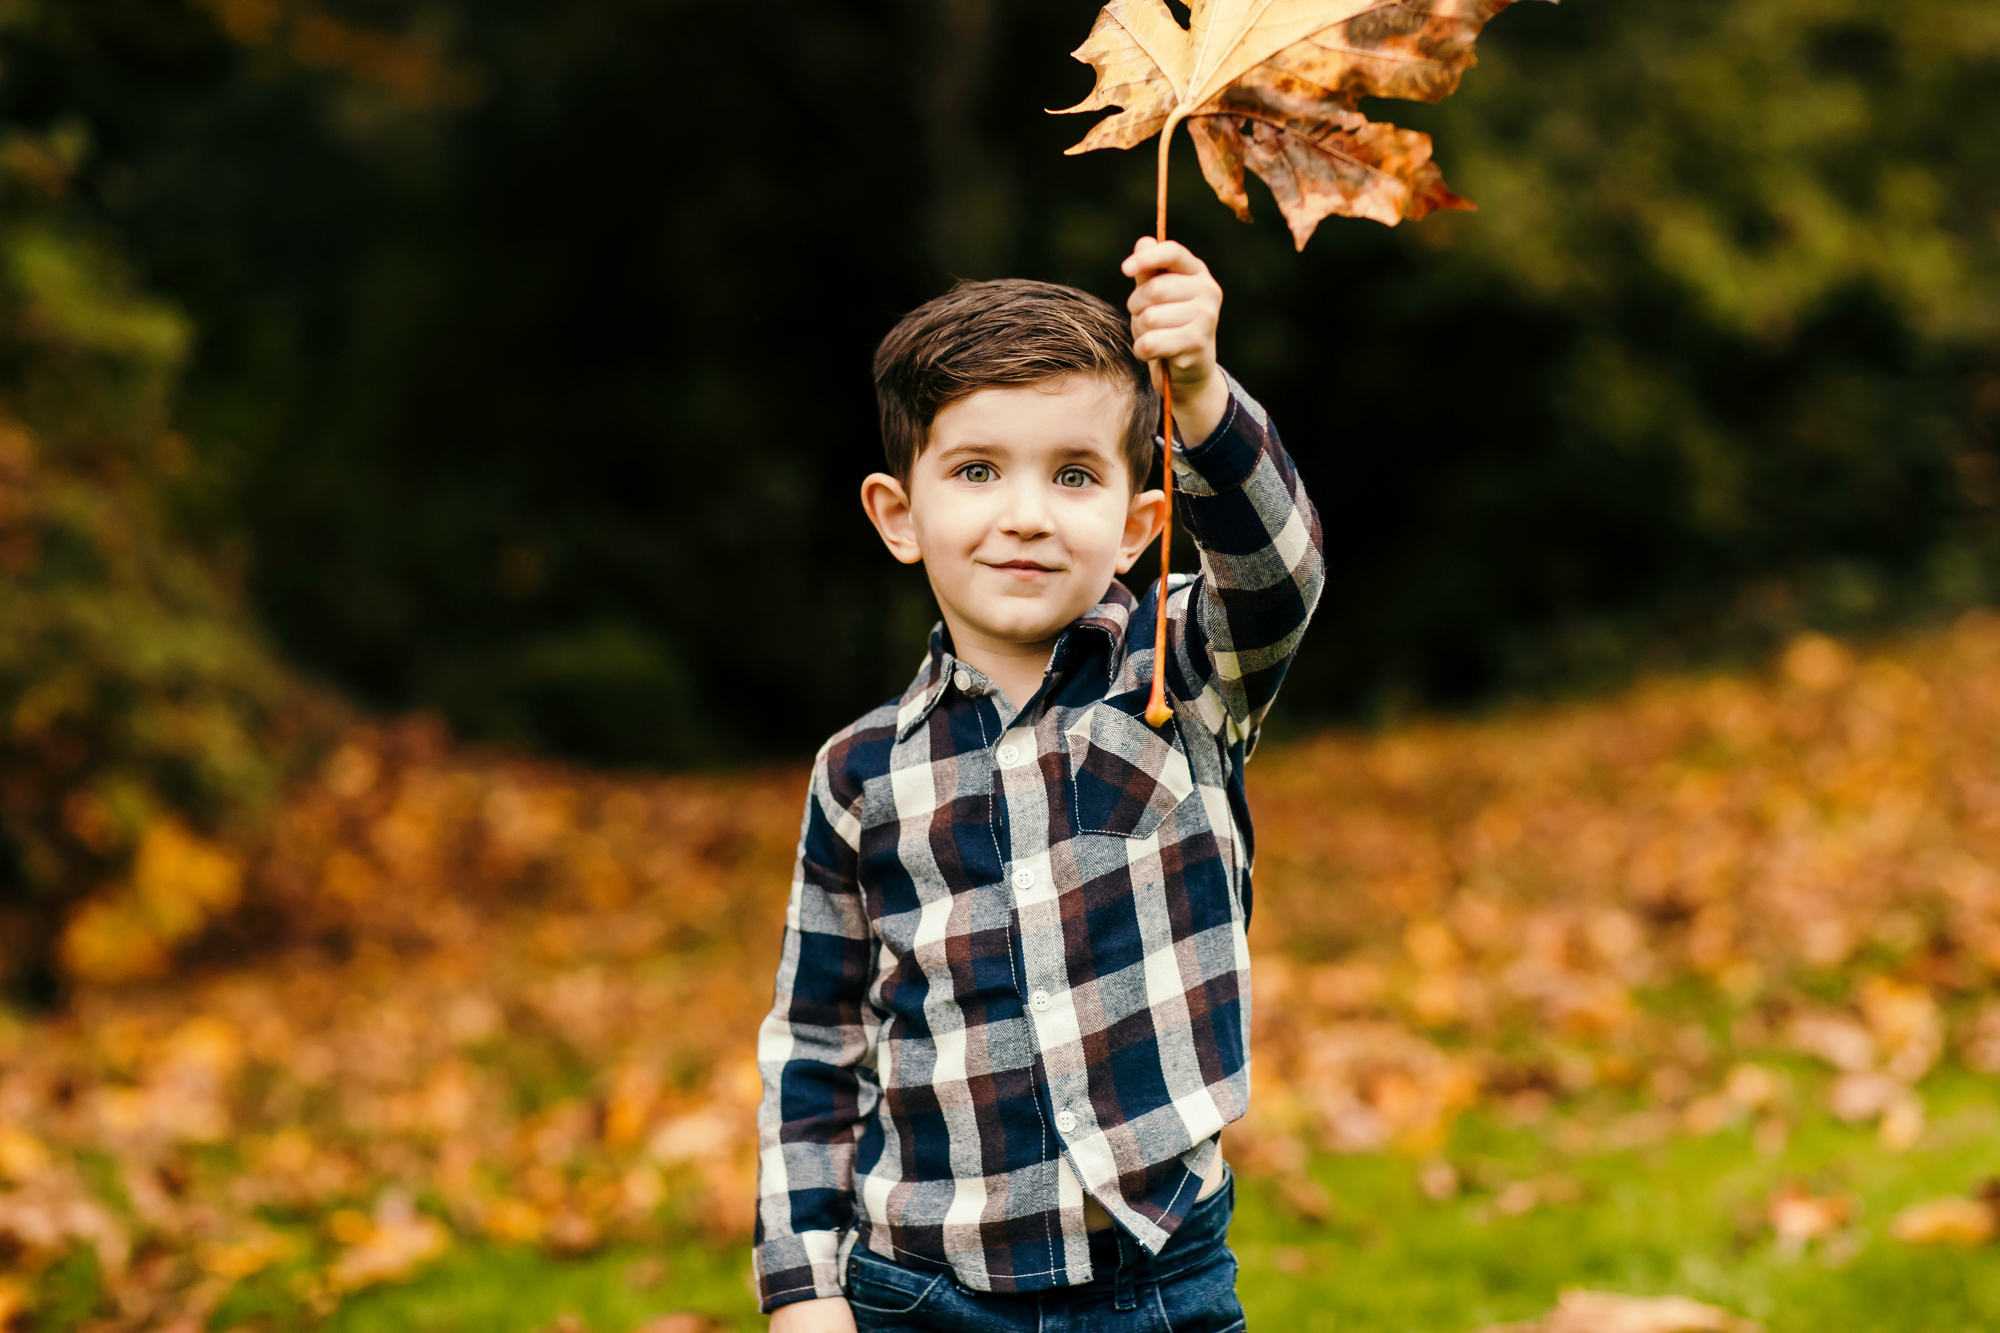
(1157, 710)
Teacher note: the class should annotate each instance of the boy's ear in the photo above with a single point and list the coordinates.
(888, 508)
(1144, 518)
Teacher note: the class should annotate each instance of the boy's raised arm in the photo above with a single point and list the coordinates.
(815, 1052)
(1233, 631)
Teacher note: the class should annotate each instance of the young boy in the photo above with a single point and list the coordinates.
(1012, 1011)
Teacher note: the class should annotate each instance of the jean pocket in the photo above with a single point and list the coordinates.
(876, 1285)
(1202, 1299)
(1125, 776)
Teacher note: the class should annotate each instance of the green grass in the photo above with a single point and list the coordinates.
(1680, 1216)
(504, 1289)
(1684, 1216)
(487, 1289)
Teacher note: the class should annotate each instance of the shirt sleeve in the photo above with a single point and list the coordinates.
(1233, 629)
(816, 1053)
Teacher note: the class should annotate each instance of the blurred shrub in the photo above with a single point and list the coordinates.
(1756, 246)
(138, 713)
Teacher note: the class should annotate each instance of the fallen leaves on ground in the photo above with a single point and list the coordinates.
(677, 1323)
(1443, 888)
(1799, 1217)
(391, 1245)
(1973, 1221)
(522, 995)
(1605, 1312)
(470, 997)
(13, 1299)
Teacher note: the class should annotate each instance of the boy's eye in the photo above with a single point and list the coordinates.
(1073, 477)
(976, 473)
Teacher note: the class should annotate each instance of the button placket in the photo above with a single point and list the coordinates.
(1031, 883)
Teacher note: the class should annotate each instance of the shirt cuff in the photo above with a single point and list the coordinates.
(801, 1267)
(1224, 460)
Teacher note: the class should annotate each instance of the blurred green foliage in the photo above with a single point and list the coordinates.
(530, 381)
(132, 690)
(1770, 235)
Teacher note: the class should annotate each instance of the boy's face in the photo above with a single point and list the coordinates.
(1020, 508)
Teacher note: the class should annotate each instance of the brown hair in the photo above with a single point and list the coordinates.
(989, 335)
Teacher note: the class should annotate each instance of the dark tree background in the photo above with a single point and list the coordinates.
(529, 367)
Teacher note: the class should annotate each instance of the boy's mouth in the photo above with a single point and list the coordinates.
(1023, 566)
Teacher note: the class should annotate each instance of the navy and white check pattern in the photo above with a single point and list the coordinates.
(1014, 965)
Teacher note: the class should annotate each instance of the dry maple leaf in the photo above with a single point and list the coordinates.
(1606, 1312)
(1799, 1217)
(390, 1253)
(683, 1322)
(1274, 86)
(1973, 1221)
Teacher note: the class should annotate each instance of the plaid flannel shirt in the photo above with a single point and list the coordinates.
(1014, 965)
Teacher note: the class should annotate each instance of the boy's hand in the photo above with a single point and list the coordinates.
(1175, 307)
(828, 1314)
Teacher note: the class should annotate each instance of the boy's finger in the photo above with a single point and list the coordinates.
(1167, 289)
(1161, 257)
(1171, 317)
(1168, 344)
(1192, 333)
(1145, 243)
(1163, 313)
(1150, 256)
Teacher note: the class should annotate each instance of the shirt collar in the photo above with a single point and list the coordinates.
(934, 677)
(941, 669)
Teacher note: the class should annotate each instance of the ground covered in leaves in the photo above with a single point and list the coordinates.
(1673, 1011)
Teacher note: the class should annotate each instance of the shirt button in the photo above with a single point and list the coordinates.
(1024, 879)
(1010, 755)
(962, 679)
(1066, 1122)
(1040, 999)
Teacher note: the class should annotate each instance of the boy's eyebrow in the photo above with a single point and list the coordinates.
(1063, 453)
(1082, 452)
(971, 447)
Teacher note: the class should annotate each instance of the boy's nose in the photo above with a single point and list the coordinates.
(1027, 511)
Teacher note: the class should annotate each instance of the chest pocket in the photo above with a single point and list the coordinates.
(1125, 777)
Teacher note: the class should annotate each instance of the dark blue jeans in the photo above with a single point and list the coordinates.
(1189, 1287)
